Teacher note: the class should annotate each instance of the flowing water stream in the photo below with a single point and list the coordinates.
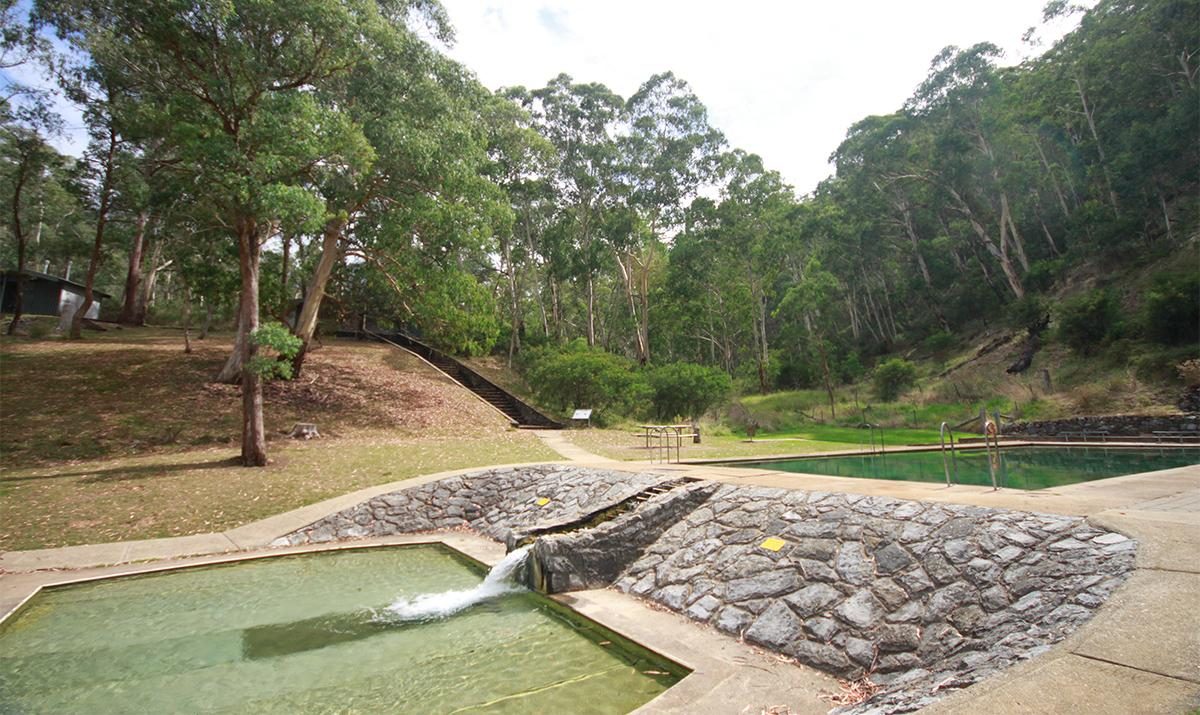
(429, 606)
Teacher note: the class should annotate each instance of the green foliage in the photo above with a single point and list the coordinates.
(939, 343)
(1171, 313)
(1027, 313)
(893, 378)
(1087, 321)
(581, 377)
(687, 390)
(282, 347)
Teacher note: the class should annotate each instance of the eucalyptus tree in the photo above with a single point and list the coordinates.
(957, 98)
(667, 152)
(521, 164)
(580, 121)
(754, 221)
(234, 87)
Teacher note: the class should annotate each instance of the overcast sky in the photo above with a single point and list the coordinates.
(782, 78)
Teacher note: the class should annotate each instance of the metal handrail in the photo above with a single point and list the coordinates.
(953, 458)
(871, 429)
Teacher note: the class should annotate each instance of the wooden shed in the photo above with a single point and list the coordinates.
(45, 294)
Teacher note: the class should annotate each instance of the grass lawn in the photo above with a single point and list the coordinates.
(624, 444)
(120, 436)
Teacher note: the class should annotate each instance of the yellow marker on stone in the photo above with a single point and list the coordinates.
(543, 501)
(773, 544)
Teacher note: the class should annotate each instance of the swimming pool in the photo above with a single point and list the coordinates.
(1028, 468)
(310, 633)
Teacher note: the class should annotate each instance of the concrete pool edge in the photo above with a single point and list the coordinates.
(721, 669)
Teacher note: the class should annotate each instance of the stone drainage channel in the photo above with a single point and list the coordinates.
(919, 598)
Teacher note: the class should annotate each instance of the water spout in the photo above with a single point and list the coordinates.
(430, 606)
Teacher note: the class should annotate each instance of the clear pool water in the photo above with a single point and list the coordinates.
(1017, 467)
(309, 634)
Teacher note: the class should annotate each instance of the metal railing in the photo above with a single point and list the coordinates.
(665, 436)
(870, 444)
(953, 458)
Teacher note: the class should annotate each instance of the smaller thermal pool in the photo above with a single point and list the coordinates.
(314, 633)
(1016, 468)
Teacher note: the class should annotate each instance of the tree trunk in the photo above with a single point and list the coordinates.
(133, 277)
(187, 322)
(1058, 192)
(19, 233)
(231, 371)
(101, 221)
(254, 441)
(591, 311)
(286, 299)
(1000, 253)
(306, 323)
(1088, 112)
(208, 316)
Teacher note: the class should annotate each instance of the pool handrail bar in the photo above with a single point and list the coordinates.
(953, 457)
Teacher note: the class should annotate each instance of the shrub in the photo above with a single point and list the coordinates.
(583, 377)
(686, 390)
(39, 329)
(1087, 321)
(1171, 313)
(1189, 372)
(1027, 313)
(939, 343)
(281, 346)
(893, 377)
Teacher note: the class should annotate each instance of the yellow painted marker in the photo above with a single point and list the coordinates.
(773, 544)
(543, 501)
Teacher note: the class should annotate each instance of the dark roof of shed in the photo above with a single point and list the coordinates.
(12, 275)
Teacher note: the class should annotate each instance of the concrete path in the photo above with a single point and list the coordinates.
(556, 440)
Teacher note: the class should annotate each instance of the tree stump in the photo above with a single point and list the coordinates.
(304, 430)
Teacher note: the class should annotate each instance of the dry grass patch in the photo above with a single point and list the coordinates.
(122, 436)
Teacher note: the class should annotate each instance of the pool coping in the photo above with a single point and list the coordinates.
(722, 669)
(1003, 443)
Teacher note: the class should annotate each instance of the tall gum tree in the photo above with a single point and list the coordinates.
(235, 87)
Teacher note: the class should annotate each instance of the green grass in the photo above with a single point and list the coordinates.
(854, 436)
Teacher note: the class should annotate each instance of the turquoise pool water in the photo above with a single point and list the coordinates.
(310, 634)
(1017, 467)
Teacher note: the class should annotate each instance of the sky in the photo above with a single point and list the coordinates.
(784, 79)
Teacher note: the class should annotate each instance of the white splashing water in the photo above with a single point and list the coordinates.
(440, 605)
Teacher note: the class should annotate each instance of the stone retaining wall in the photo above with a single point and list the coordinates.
(916, 595)
(921, 598)
(1116, 425)
(494, 502)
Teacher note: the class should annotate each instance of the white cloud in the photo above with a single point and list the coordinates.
(782, 79)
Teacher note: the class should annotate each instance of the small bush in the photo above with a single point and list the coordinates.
(893, 377)
(939, 343)
(583, 377)
(687, 390)
(1189, 372)
(282, 347)
(1027, 313)
(39, 329)
(1087, 321)
(1171, 313)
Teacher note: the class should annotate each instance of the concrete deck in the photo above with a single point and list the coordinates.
(1140, 654)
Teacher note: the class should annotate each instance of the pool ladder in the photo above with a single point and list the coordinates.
(953, 458)
(871, 430)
